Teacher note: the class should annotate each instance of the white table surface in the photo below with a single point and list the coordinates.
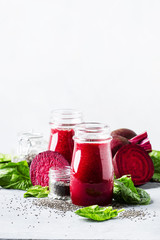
(16, 223)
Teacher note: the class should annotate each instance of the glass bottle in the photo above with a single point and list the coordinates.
(91, 169)
(62, 125)
(29, 145)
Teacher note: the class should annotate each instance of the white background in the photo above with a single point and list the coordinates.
(101, 57)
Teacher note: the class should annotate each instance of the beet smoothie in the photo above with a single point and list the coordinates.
(62, 124)
(91, 169)
(61, 141)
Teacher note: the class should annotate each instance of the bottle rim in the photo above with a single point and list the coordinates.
(60, 173)
(65, 116)
(92, 131)
(30, 135)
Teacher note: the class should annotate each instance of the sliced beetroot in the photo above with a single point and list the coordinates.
(124, 132)
(118, 142)
(134, 160)
(139, 138)
(146, 145)
(143, 141)
(41, 164)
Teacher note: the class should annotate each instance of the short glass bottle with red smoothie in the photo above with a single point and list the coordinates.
(62, 124)
(91, 169)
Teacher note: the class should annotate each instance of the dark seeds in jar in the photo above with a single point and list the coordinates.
(61, 188)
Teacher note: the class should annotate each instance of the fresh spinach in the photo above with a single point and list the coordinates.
(4, 158)
(125, 192)
(37, 191)
(15, 175)
(96, 213)
(144, 197)
(155, 155)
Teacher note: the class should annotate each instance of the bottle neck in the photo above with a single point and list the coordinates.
(92, 132)
(62, 126)
(65, 118)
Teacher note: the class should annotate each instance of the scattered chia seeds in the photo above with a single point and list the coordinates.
(26, 209)
(60, 205)
(132, 213)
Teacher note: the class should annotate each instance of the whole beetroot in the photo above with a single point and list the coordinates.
(123, 132)
(118, 142)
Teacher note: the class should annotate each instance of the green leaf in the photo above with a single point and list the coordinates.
(15, 175)
(37, 191)
(96, 213)
(5, 158)
(156, 177)
(125, 192)
(155, 155)
(144, 197)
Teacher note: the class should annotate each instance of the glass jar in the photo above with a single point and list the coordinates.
(62, 124)
(29, 145)
(91, 169)
(59, 183)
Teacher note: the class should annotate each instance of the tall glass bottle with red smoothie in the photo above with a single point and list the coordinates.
(62, 125)
(91, 168)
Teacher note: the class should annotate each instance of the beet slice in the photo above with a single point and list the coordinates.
(146, 145)
(41, 164)
(134, 160)
(139, 138)
(143, 141)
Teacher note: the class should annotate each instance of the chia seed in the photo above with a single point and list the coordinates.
(60, 205)
(60, 189)
(59, 183)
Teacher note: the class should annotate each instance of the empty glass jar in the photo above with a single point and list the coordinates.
(29, 145)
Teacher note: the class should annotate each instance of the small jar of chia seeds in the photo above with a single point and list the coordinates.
(59, 183)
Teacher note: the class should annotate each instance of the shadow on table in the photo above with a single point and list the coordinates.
(150, 185)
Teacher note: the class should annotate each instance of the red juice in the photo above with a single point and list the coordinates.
(63, 122)
(61, 141)
(92, 173)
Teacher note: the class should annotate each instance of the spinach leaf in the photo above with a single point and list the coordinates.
(155, 155)
(5, 158)
(156, 177)
(37, 191)
(15, 175)
(96, 213)
(144, 197)
(125, 192)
